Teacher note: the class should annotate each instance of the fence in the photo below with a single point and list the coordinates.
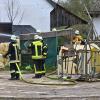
(51, 38)
(82, 60)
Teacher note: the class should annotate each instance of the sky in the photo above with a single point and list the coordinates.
(3, 9)
(27, 4)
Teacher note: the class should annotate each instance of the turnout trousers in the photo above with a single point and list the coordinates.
(14, 71)
(39, 67)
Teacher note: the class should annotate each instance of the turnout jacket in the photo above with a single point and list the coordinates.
(13, 51)
(39, 49)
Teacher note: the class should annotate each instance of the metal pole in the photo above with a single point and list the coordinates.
(62, 65)
(57, 53)
(86, 59)
(90, 18)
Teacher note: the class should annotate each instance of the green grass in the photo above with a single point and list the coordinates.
(30, 69)
(50, 69)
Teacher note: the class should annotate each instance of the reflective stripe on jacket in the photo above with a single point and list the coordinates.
(36, 47)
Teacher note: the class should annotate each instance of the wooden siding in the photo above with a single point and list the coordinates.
(61, 17)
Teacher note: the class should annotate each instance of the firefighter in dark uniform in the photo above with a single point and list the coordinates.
(13, 57)
(39, 54)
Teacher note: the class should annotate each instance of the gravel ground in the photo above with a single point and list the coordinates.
(18, 90)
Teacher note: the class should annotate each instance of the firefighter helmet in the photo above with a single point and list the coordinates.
(40, 37)
(77, 32)
(13, 37)
(38, 31)
(36, 37)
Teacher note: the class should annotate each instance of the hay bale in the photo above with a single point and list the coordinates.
(3, 51)
(4, 48)
(2, 66)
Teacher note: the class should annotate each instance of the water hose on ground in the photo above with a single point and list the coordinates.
(59, 78)
(46, 83)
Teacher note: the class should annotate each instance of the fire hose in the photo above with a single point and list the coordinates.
(72, 82)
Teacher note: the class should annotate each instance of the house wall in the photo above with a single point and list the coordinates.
(61, 17)
(96, 22)
(36, 13)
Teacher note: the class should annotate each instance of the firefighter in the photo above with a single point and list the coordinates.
(14, 59)
(77, 39)
(39, 54)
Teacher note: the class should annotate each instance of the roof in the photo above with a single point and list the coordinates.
(63, 32)
(52, 3)
(55, 4)
(5, 37)
(5, 27)
(23, 29)
(95, 8)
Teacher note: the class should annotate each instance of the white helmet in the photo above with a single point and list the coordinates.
(54, 29)
(36, 37)
(77, 32)
(38, 31)
(13, 37)
(40, 37)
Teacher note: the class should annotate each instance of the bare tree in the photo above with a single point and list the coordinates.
(14, 11)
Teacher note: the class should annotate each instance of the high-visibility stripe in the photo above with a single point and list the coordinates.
(34, 68)
(37, 57)
(39, 72)
(45, 47)
(16, 53)
(12, 71)
(14, 61)
(37, 44)
(21, 77)
(17, 71)
(44, 53)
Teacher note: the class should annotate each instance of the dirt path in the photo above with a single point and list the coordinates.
(17, 90)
